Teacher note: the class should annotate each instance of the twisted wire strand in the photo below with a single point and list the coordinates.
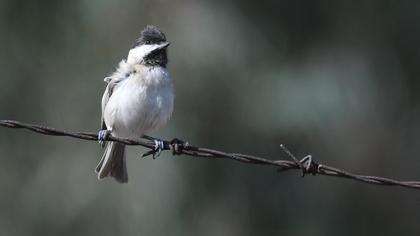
(306, 165)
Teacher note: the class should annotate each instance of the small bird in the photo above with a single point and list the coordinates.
(137, 100)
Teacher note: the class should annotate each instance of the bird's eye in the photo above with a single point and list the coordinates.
(148, 42)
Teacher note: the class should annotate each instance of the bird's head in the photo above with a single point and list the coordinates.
(150, 48)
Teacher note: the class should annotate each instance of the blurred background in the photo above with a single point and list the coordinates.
(335, 79)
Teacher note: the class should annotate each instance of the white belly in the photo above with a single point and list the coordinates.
(140, 104)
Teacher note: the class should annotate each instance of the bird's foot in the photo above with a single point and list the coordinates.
(102, 135)
(158, 148)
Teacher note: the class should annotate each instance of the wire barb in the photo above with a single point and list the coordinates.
(297, 162)
(305, 165)
(177, 145)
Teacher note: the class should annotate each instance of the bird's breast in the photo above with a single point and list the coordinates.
(140, 104)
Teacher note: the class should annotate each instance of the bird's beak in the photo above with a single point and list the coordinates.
(164, 45)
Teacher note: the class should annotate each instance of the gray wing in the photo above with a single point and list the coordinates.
(105, 98)
(113, 81)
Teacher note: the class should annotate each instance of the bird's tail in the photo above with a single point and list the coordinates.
(113, 163)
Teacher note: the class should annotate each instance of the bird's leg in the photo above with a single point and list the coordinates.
(102, 135)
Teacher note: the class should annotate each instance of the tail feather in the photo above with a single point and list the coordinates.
(113, 163)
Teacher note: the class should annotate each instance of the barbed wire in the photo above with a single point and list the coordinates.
(178, 147)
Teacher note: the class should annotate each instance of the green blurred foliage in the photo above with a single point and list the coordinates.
(337, 79)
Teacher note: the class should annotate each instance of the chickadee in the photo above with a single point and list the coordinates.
(138, 100)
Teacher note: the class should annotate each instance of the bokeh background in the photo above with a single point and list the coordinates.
(336, 79)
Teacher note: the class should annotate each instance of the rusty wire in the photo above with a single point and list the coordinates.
(306, 165)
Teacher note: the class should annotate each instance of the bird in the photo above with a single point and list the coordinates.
(138, 99)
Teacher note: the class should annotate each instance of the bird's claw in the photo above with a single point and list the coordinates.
(158, 148)
(102, 135)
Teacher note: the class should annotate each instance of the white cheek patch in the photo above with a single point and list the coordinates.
(136, 54)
